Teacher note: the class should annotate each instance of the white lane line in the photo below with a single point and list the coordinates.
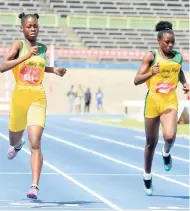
(118, 142)
(92, 192)
(133, 146)
(162, 142)
(26, 173)
(112, 159)
(92, 174)
(118, 126)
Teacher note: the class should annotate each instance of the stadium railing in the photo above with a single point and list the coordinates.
(97, 21)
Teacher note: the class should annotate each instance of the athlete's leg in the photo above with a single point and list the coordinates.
(152, 135)
(152, 124)
(15, 137)
(16, 143)
(36, 122)
(169, 128)
(17, 124)
(34, 135)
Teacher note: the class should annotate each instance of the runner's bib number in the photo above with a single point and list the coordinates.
(29, 74)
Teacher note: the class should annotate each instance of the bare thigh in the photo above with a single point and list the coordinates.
(152, 129)
(169, 123)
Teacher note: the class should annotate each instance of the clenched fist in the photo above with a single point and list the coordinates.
(155, 69)
(60, 71)
(186, 88)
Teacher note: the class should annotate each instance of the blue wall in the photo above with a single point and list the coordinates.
(129, 66)
(108, 66)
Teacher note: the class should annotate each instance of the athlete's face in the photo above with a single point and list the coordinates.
(30, 28)
(166, 42)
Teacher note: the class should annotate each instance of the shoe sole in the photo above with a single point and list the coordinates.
(10, 158)
(149, 194)
(32, 196)
(167, 169)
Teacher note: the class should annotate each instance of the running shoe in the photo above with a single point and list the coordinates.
(167, 162)
(12, 151)
(148, 187)
(33, 192)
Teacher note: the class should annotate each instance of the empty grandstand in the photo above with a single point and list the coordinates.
(149, 8)
(98, 31)
(100, 25)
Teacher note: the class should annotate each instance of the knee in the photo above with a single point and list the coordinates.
(151, 143)
(150, 146)
(170, 138)
(35, 146)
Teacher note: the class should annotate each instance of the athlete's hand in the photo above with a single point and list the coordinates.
(33, 51)
(60, 71)
(155, 69)
(186, 88)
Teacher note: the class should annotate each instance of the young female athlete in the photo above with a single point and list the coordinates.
(27, 59)
(161, 70)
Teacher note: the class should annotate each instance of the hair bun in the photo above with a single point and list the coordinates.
(163, 25)
(37, 16)
(21, 15)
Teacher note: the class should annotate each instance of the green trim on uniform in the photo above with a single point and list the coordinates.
(155, 57)
(42, 52)
(24, 49)
(21, 46)
(145, 102)
(178, 79)
(178, 57)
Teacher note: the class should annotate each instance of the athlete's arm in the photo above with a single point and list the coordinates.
(48, 69)
(142, 75)
(183, 81)
(9, 62)
(182, 78)
(60, 71)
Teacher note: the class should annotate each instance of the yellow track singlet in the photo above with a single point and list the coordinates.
(28, 106)
(161, 95)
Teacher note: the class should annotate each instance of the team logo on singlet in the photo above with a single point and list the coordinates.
(30, 73)
(165, 88)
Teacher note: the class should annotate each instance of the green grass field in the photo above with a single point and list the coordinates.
(131, 123)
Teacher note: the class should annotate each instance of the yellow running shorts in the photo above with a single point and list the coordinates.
(157, 103)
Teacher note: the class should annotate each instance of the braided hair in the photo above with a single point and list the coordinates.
(163, 27)
(24, 16)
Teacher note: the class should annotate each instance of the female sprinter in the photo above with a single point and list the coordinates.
(27, 59)
(161, 70)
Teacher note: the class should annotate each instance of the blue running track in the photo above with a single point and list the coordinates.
(92, 167)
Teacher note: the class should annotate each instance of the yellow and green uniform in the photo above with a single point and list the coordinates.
(161, 87)
(28, 105)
